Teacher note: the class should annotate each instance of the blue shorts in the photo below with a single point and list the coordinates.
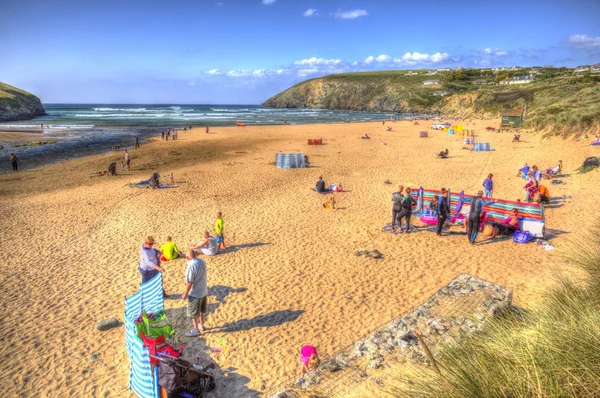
(219, 238)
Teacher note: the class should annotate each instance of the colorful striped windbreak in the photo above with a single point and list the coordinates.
(142, 379)
(496, 212)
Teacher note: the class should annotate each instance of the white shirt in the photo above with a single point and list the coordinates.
(196, 274)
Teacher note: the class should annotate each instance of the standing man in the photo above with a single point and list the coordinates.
(443, 209)
(488, 186)
(127, 160)
(137, 142)
(474, 220)
(14, 161)
(397, 206)
(206, 129)
(149, 260)
(537, 175)
(196, 292)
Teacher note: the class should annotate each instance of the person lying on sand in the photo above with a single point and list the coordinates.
(207, 246)
(516, 138)
(507, 227)
(554, 171)
(442, 154)
(365, 137)
(309, 358)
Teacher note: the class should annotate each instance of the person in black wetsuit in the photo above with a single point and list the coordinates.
(407, 203)
(474, 220)
(442, 210)
(397, 199)
(320, 185)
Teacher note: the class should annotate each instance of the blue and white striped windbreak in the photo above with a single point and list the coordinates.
(142, 379)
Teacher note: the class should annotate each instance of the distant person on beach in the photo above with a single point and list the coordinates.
(488, 186)
(523, 171)
(474, 220)
(206, 129)
(169, 250)
(196, 292)
(163, 134)
(433, 204)
(14, 161)
(122, 166)
(365, 137)
(137, 142)
(320, 185)
(397, 206)
(149, 260)
(537, 174)
(407, 203)
(309, 358)
(208, 246)
(443, 154)
(219, 231)
(127, 160)
(174, 135)
(516, 138)
(442, 210)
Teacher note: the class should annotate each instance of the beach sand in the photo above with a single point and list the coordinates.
(290, 277)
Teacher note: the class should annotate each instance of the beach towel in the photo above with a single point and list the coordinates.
(328, 191)
(146, 184)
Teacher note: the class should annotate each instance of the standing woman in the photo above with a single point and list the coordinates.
(407, 203)
(443, 209)
(397, 199)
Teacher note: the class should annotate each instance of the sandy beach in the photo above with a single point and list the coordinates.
(290, 276)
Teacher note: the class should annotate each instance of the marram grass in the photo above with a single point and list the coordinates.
(553, 350)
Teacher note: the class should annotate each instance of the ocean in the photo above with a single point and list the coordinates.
(84, 129)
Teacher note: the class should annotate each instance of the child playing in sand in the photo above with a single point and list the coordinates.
(309, 358)
(219, 231)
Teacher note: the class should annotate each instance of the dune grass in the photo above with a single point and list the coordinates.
(553, 350)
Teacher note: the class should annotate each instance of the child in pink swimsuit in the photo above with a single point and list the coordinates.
(309, 358)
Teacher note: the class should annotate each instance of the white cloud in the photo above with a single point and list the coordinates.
(318, 61)
(214, 72)
(311, 12)
(339, 14)
(585, 42)
(268, 2)
(369, 59)
(383, 58)
(492, 51)
(416, 57)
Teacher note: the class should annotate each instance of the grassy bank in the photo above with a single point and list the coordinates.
(553, 350)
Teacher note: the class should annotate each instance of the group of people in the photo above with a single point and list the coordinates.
(439, 206)
(321, 187)
(534, 190)
(168, 133)
(196, 287)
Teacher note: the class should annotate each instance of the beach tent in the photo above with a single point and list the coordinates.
(289, 160)
(481, 146)
(143, 379)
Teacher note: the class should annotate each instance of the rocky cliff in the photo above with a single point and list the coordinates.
(16, 104)
(559, 103)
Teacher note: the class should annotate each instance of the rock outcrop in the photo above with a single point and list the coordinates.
(16, 104)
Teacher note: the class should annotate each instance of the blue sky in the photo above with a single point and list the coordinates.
(244, 51)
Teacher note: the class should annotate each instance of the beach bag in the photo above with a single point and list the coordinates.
(522, 237)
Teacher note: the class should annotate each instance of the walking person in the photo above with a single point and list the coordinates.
(163, 134)
(127, 160)
(474, 220)
(397, 206)
(206, 129)
(488, 186)
(407, 203)
(196, 292)
(442, 210)
(14, 161)
(137, 142)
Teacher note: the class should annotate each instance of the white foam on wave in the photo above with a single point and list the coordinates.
(120, 109)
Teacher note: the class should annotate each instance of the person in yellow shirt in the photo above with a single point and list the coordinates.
(219, 231)
(169, 250)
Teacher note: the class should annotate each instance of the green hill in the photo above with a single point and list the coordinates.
(16, 104)
(557, 101)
